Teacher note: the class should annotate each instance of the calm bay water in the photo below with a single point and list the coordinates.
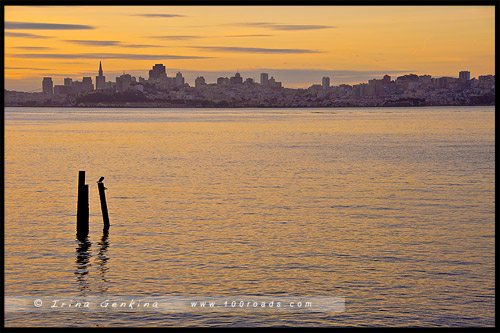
(391, 208)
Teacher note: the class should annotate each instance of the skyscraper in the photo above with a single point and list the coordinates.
(179, 80)
(87, 84)
(222, 81)
(200, 81)
(47, 86)
(272, 83)
(325, 82)
(236, 79)
(464, 76)
(159, 72)
(100, 80)
(264, 79)
(123, 82)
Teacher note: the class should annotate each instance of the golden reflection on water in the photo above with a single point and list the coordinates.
(391, 208)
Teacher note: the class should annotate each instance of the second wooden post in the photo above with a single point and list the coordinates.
(104, 206)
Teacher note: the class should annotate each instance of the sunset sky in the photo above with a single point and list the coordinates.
(298, 45)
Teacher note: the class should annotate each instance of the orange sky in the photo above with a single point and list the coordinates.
(297, 44)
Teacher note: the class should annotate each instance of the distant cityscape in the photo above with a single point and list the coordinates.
(160, 90)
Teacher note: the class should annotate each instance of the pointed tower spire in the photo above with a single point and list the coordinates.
(100, 80)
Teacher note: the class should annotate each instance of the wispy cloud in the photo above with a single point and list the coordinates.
(10, 25)
(237, 36)
(177, 37)
(305, 76)
(303, 72)
(294, 77)
(27, 68)
(93, 42)
(139, 45)
(253, 49)
(104, 56)
(352, 73)
(40, 48)
(159, 15)
(55, 74)
(188, 37)
(108, 43)
(23, 34)
(299, 27)
(283, 27)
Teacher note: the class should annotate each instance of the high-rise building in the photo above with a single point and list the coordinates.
(110, 85)
(63, 90)
(236, 79)
(264, 79)
(464, 76)
(222, 81)
(68, 81)
(179, 79)
(87, 84)
(48, 86)
(325, 82)
(200, 81)
(100, 80)
(159, 72)
(123, 82)
(272, 83)
(77, 87)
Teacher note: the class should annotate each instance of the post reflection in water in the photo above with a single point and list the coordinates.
(83, 255)
(83, 264)
(101, 262)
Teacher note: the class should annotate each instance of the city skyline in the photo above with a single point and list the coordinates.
(299, 45)
(158, 73)
(158, 89)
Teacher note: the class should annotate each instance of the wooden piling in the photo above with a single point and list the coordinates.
(82, 210)
(104, 206)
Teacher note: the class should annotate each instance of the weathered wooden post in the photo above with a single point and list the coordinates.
(82, 210)
(104, 206)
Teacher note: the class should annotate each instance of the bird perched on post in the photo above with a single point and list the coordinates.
(100, 181)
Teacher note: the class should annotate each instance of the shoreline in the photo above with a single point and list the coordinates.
(241, 107)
